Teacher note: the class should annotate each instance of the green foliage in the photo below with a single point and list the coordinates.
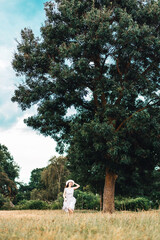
(32, 189)
(35, 179)
(58, 203)
(84, 200)
(45, 183)
(133, 183)
(32, 204)
(9, 170)
(8, 205)
(133, 204)
(39, 194)
(53, 178)
(7, 163)
(87, 200)
(2, 200)
(154, 195)
(5, 203)
(23, 193)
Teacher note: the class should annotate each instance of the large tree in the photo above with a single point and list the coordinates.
(102, 58)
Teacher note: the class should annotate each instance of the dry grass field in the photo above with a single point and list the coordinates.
(57, 225)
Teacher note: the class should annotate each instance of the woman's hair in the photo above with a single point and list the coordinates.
(67, 185)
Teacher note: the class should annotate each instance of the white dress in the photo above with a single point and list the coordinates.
(69, 201)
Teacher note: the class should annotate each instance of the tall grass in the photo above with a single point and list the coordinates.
(57, 225)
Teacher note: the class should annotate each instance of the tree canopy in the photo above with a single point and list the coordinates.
(35, 179)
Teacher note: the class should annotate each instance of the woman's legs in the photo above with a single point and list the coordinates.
(70, 211)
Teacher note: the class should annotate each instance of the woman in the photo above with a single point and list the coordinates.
(69, 200)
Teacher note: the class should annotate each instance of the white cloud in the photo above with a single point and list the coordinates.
(8, 111)
(14, 16)
(29, 149)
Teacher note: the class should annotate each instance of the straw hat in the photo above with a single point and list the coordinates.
(70, 181)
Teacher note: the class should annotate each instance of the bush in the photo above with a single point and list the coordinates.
(87, 200)
(57, 204)
(90, 201)
(2, 200)
(38, 194)
(32, 204)
(5, 203)
(133, 204)
(8, 205)
(155, 199)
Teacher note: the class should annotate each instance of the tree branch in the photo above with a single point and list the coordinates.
(98, 65)
(128, 65)
(147, 69)
(120, 96)
(117, 64)
(103, 63)
(139, 110)
(95, 100)
(103, 99)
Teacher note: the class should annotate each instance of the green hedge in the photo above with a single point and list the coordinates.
(57, 204)
(133, 204)
(85, 200)
(32, 204)
(88, 200)
(155, 199)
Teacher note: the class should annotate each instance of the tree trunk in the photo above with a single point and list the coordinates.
(109, 189)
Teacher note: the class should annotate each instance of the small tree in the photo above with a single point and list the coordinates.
(54, 177)
(9, 170)
(7, 163)
(35, 179)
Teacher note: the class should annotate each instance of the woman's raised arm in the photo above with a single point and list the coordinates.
(77, 186)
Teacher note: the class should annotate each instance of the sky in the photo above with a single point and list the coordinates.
(29, 149)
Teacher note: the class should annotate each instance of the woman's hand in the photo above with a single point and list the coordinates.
(77, 186)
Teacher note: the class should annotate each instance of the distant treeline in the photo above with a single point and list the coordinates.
(46, 185)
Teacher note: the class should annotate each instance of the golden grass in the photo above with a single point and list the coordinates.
(58, 225)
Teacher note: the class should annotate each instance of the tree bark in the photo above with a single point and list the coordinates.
(109, 189)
